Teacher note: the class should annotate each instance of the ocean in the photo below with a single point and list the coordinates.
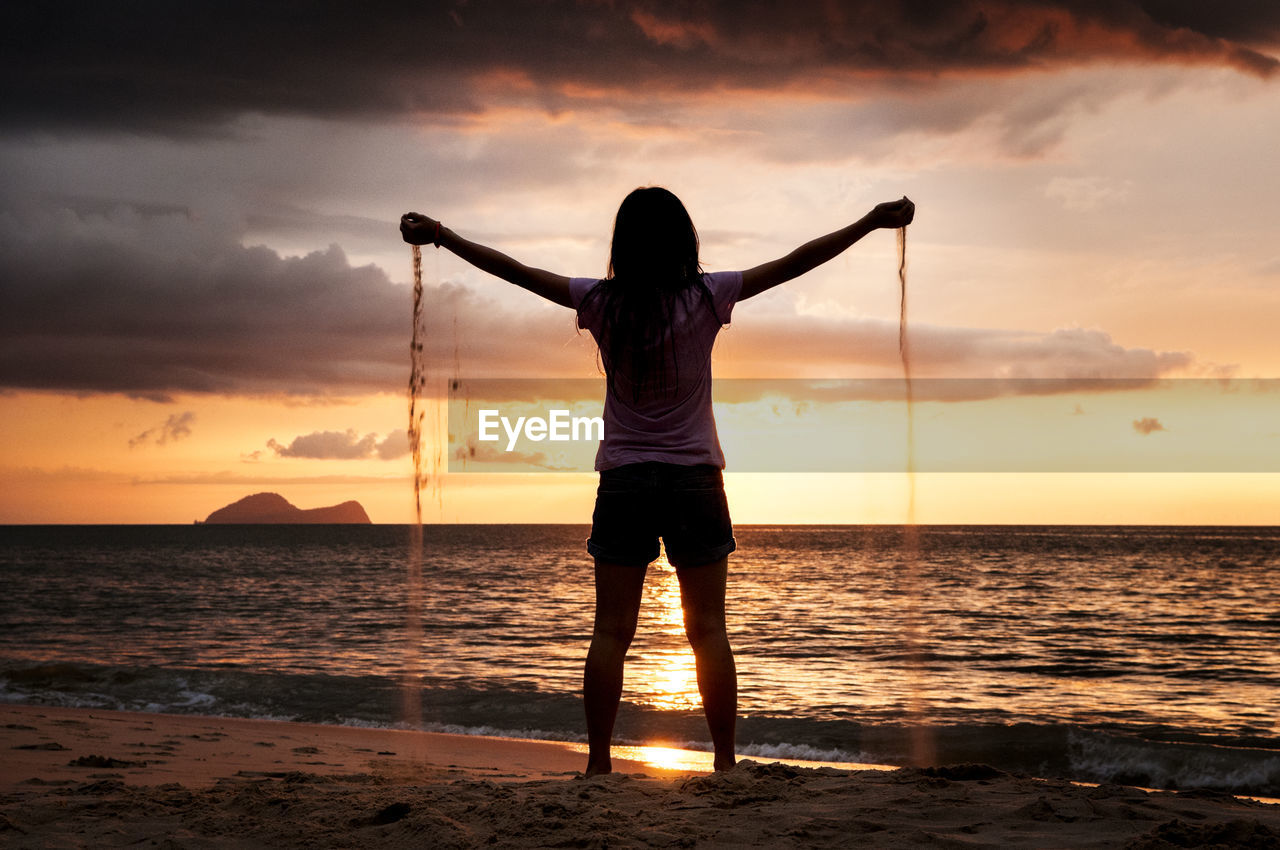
(1141, 655)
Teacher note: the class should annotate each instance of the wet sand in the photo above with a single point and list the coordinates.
(88, 778)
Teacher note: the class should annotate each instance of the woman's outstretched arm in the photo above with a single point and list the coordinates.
(813, 254)
(418, 229)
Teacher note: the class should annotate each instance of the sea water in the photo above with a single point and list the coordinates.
(1144, 655)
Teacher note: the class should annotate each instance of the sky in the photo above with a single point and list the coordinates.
(204, 293)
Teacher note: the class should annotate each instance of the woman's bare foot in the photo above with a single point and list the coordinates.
(598, 767)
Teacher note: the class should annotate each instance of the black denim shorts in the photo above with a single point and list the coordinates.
(640, 502)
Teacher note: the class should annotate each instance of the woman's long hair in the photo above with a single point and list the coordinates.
(652, 262)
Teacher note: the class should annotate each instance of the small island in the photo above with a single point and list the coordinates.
(274, 509)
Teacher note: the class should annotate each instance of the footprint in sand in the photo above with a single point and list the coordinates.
(47, 745)
(103, 761)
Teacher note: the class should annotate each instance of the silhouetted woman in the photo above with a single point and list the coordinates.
(655, 317)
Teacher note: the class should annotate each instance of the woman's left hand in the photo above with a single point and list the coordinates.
(418, 229)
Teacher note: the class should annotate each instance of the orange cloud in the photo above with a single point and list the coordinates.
(1147, 425)
(177, 426)
(343, 445)
(682, 34)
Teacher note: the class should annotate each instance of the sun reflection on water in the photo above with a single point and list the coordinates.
(668, 758)
(662, 673)
(697, 761)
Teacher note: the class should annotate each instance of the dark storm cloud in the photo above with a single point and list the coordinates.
(153, 306)
(152, 66)
(1249, 21)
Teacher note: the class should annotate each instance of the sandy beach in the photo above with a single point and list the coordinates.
(88, 778)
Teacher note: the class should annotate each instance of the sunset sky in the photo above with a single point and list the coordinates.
(204, 293)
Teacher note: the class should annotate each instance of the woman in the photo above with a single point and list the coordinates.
(655, 317)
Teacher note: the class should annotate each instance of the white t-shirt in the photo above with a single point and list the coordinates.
(677, 426)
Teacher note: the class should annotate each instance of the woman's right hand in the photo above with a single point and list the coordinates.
(418, 229)
(894, 214)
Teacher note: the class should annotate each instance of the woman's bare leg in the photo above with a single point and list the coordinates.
(618, 593)
(702, 597)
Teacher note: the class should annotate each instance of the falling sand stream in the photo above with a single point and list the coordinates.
(904, 352)
(922, 745)
(411, 696)
(426, 448)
